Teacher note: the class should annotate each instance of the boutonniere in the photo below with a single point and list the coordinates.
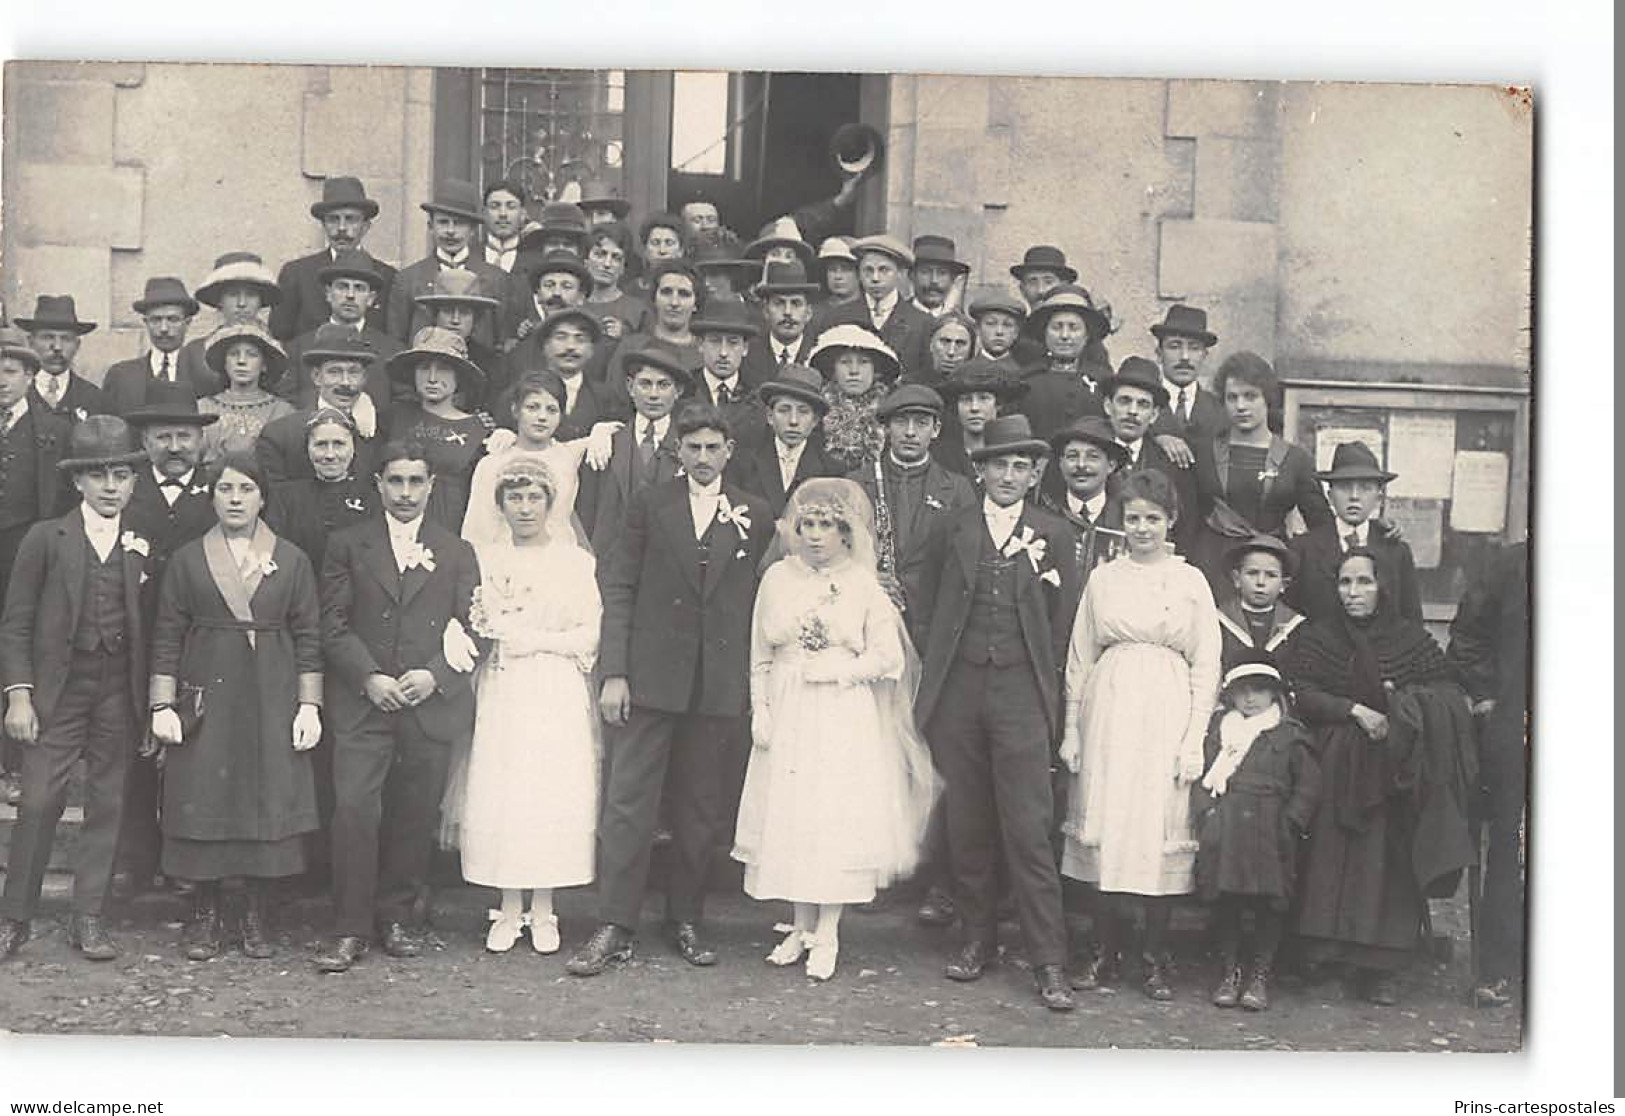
(134, 543)
(198, 490)
(267, 567)
(738, 515)
(456, 438)
(679, 473)
(1027, 540)
(1269, 474)
(933, 503)
(741, 553)
(80, 414)
(423, 557)
(145, 577)
(355, 504)
(1051, 575)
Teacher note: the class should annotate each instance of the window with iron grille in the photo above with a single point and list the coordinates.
(551, 129)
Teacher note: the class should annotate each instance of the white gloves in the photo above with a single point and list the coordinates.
(307, 728)
(457, 647)
(599, 447)
(1189, 768)
(761, 727)
(1071, 748)
(166, 727)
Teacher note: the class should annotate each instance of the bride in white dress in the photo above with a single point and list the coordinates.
(538, 408)
(839, 785)
(527, 813)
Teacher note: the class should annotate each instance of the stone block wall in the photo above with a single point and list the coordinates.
(114, 172)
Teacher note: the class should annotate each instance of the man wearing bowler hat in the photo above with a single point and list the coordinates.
(171, 505)
(938, 275)
(772, 469)
(557, 281)
(562, 231)
(725, 330)
(352, 287)
(73, 661)
(786, 295)
(602, 203)
(55, 332)
(1194, 415)
(455, 221)
(1042, 269)
(1085, 458)
(32, 441)
(346, 213)
(990, 704)
(340, 367)
(166, 310)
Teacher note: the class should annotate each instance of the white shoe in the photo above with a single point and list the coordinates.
(821, 961)
(544, 933)
(789, 951)
(504, 931)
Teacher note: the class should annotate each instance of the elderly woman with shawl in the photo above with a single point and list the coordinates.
(839, 785)
(1395, 741)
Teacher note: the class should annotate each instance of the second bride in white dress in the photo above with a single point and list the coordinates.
(839, 785)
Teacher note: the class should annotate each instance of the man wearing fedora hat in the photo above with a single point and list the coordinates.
(557, 281)
(643, 452)
(166, 310)
(990, 703)
(565, 341)
(773, 468)
(456, 219)
(780, 241)
(55, 332)
(506, 220)
(726, 330)
(31, 487)
(171, 505)
(938, 274)
(602, 203)
(562, 231)
(345, 212)
(1354, 484)
(340, 365)
(239, 287)
(1043, 267)
(352, 287)
(1064, 385)
(786, 294)
(1132, 398)
(1194, 415)
(1086, 457)
(978, 392)
(73, 661)
(725, 274)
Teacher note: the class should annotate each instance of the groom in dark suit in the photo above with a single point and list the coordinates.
(390, 588)
(675, 657)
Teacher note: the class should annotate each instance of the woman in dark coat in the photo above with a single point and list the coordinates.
(306, 511)
(1394, 738)
(1249, 473)
(237, 644)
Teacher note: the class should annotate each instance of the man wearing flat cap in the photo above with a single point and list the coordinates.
(32, 441)
(456, 220)
(55, 332)
(999, 317)
(166, 310)
(1194, 415)
(339, 364)
(352, 288)
(772, 469)
(345, 212)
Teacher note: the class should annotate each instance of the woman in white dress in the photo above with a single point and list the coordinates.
(839, 785)
(1142, 676)
(538, 407)
(529, 811)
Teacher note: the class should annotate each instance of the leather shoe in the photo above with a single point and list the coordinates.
(340, 954)
(1052, 988)
(969, 962)
(88, 934)
(1098, 972)
(608, 943)
(397, 942)
(686, 937)
(13, 933)
(936, 909)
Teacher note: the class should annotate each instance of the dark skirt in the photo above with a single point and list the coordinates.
(189, 859)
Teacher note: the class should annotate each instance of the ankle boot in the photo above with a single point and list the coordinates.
(203, 932)
(1229, 990)
(1156, 978)
(255, 941)
(1257, 996)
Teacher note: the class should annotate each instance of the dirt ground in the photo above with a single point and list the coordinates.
(889, 989)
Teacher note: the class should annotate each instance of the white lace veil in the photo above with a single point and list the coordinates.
(844, 501)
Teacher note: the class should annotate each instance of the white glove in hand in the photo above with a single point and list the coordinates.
(1071, 750)
(457, 647)
(761, 727)
(166, 727)
(1190, 767)
(599, 447)
(307, 728)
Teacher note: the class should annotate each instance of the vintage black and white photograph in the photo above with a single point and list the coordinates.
(729, 556)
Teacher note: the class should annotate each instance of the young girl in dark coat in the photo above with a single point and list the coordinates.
(1251, 808)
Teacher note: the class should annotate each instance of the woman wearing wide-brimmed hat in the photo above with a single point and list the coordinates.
(437, 370)
(249, 359)
(1066, 384)
(241, 288)
(859, 369)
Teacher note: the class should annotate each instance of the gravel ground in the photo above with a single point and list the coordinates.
(889, 989)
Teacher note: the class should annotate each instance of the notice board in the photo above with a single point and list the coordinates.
(1462, 455)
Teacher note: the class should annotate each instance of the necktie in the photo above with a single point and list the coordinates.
(725, 395)
(53, 390)
(1184, 405)
(1351, 540)
(784, 358)
(171, 482)
(1084, 517)
(646, 444)
(164, 372)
